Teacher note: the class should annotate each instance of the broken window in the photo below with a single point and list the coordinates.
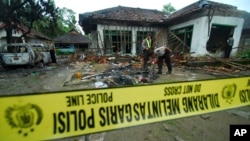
(117, 41)
(218, 37)
(247, 42)
(185, 34)
(244, 50)
(14, 49)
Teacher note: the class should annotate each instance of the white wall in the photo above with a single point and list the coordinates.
(200, 32)
(17, 34)
(3, 35)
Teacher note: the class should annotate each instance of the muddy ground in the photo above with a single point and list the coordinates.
(209, 127)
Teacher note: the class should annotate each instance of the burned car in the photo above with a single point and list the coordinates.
(15, 54)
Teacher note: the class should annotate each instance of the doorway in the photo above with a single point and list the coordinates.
(218, 38)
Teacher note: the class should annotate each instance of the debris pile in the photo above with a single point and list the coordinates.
(120, 71)
(127, 70)
(223, 66)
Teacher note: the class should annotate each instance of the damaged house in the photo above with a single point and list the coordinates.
(200, 28)
(245, 36)
(205, 26)
(71, 42)
(121, 29)
(32, 37)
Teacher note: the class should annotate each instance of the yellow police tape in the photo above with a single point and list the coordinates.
(66, 114)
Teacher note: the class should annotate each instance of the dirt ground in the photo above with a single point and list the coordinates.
(209, 127)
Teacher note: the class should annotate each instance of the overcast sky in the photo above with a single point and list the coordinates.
(80, 6)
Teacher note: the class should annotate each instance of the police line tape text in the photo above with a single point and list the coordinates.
(95, 98)
(244, 95)
(115, 114)
(187, 89)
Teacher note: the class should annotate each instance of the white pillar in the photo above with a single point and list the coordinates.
(133, 51)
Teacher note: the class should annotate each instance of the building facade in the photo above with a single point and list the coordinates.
(32, 37)
(206, 27)
(199, 29)
(121, 29)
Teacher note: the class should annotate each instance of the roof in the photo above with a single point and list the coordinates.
(33, 33)
(122, 13)
(147, 17)
(72, 37)
(202, 7)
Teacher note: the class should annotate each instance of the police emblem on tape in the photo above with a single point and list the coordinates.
(24, 118)
(228, 92)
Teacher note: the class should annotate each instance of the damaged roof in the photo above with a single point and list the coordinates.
(202, 8)
(147, 17)
(199, 5)
(122, 13)
(33, 33)
(72, 36)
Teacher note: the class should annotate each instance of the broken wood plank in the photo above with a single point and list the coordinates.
(230, 63)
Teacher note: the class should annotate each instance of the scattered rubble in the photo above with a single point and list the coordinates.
(178, 138)
(205, 116)
(122, 71)
(116, 75)
(219, 66)
(127, 70)
(244, 114)
(166, 127)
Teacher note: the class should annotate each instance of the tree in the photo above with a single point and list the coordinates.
(64, 23)
(17, 12)
(168, 9)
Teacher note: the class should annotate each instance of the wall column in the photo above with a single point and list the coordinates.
(133, 51)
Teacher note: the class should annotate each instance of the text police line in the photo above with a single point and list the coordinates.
(67, 121)
(94, 98)
(81, 112)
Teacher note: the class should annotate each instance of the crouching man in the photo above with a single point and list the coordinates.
(163, 53)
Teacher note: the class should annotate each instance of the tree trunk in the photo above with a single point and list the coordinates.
(8, 34)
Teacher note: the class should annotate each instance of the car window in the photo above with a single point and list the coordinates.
(23, 49)
(13, 49)
(38, 48)
(3, 49)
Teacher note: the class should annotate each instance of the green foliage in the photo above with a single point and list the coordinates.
(168, 9)
(42, 15)
(64, 23)
(246, 54)
(25, 12)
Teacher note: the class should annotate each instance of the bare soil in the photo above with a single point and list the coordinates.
(209, 127)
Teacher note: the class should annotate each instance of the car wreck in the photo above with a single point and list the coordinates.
(16, 54)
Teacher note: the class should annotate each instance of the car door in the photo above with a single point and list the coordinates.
(44, 53)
